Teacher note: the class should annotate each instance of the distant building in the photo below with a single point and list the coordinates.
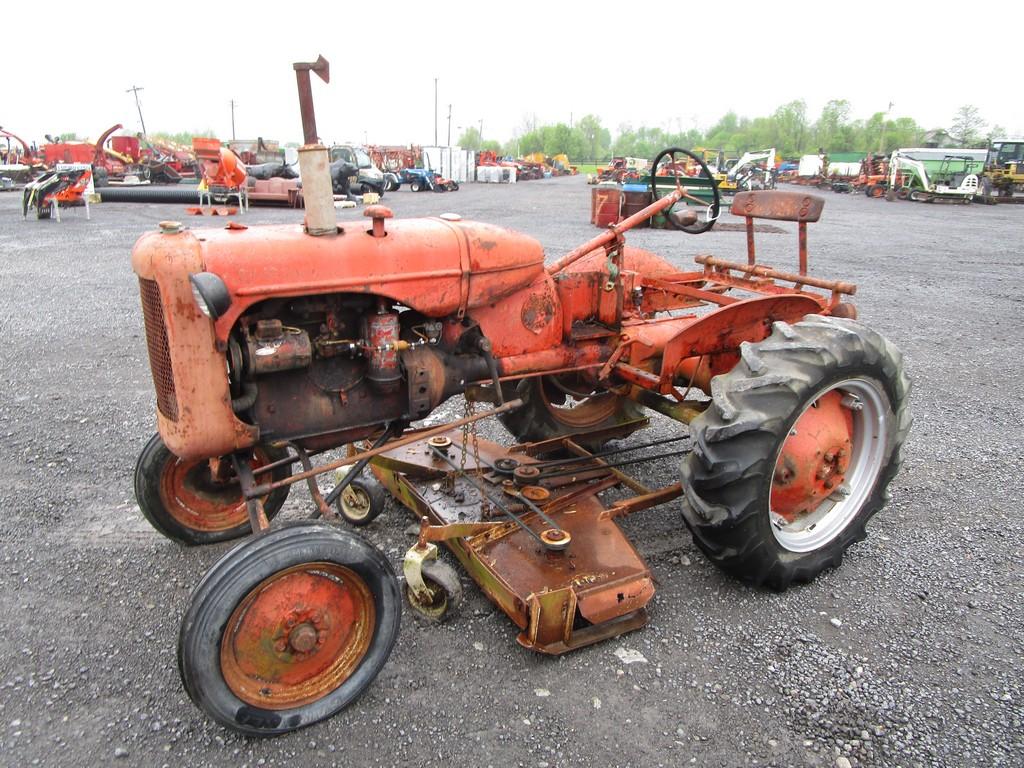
(938, 138)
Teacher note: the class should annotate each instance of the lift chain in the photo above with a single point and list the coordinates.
(468, 429)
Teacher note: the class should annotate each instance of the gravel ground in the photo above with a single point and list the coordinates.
(908, 655)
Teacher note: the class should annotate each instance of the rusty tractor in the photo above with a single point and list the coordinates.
(272, 346)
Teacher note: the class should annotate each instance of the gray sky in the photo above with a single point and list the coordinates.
(673, 65)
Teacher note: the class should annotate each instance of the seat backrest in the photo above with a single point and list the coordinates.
(782, 206)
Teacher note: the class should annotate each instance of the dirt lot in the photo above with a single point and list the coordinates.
(907, 655)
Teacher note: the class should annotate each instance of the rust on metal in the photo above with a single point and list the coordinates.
(398, 443)
(378, 213)
(645, 501)
(712, 264)
(781, 206)
(297, 636)
(726, 329)
(203, 495)
(302, 69)
(814, 458)
(560, 598)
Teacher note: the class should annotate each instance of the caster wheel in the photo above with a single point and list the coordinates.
(446, 593)
(362, 501)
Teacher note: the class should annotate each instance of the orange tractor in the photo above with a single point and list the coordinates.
(270, 346)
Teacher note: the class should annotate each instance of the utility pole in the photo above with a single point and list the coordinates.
(481, 133)
(233, 105)
(449, 125)
(135, 89)
(435, 111)
(881, 140)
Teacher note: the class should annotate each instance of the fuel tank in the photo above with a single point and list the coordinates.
(435, 266)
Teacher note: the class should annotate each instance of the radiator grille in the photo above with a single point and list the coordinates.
(159, 353)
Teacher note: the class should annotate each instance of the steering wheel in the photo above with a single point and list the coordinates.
(709, 215)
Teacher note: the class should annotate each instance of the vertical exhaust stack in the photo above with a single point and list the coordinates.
(314, 163)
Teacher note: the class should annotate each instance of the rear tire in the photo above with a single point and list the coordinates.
(737, 478)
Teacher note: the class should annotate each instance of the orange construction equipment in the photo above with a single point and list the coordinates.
(224, 174)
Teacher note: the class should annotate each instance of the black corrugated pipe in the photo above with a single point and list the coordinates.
(149, 194)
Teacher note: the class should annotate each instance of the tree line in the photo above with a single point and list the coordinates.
(788, 129)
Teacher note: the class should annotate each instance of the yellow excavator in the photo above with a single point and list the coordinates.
(1003, 180)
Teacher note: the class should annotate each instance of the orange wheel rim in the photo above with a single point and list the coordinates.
(197, 500)
(297, 636)
(814, 458)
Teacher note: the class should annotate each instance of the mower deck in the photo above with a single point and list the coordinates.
(594, 588)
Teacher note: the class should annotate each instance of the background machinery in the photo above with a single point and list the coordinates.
(912, 176)
(1003, 178)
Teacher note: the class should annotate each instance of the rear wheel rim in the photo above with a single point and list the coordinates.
(196, 500)
(576, 412)
(817, 519)
(297, 636)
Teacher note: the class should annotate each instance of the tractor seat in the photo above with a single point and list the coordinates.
(781, 206)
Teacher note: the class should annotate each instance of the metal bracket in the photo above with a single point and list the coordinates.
(412, 569)
(253, 503)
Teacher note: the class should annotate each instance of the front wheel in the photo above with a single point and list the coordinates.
(797, 452)
(288, 628)
(199, 501)
(415, 186)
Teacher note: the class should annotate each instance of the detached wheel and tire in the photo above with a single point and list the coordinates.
(186, 502)
(797, 452)
(288, 628)
(554, 406)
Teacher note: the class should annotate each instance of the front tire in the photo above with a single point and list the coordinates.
(184, 502)
(288, 628)
(797, 452)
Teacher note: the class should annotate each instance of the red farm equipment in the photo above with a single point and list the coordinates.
(873, 178)
(271, 345)
(66, 185)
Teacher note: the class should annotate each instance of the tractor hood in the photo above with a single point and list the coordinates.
(437, 266)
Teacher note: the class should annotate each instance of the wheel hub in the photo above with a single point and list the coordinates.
(297, 636)
(304, 638)
(814, 458)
